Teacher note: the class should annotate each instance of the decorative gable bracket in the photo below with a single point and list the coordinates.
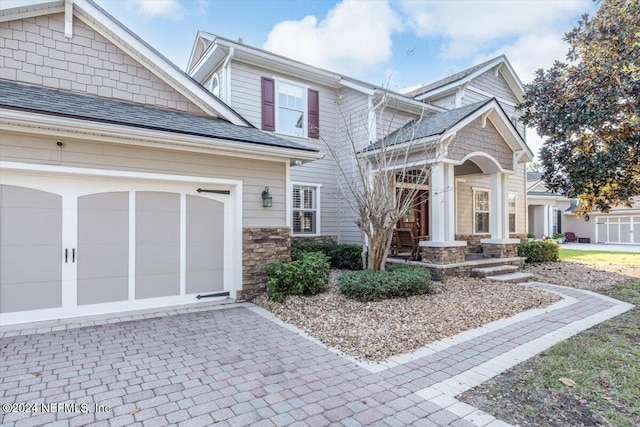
(68, 18)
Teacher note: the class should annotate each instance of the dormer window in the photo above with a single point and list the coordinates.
(290, 109)
(215, 85)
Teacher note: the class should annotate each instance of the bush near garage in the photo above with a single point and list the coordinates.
(539, 251)
(342, 256)
(307, 275)
(399, 280)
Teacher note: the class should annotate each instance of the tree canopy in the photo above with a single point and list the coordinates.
(588, 109)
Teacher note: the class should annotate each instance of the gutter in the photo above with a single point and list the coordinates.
(227, 77)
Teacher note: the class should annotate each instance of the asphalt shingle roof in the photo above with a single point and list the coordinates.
(61, 103)
(534, 176)
(449, 79)
(436, 124)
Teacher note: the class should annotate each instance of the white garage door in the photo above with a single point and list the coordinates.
(73, 246)
(618, 229)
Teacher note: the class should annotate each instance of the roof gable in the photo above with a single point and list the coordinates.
(499, 65)
(130, 44)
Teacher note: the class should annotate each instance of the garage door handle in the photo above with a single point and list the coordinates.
(73, 255)
(66, 254)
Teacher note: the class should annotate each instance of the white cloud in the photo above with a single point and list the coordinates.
(159, 8)
(353, 36)
(467, 26)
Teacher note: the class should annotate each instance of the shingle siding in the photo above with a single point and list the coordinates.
(474, 137)
(36, 51)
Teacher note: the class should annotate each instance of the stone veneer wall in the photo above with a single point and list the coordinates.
(473, 242)
(449, 255)
(443, 272)
(492, 250)
(314, 239)
(260, 246)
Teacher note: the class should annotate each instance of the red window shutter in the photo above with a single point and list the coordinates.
(314, 114)
(268, 104)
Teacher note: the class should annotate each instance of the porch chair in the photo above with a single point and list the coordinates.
(570, 236)
(406, 243)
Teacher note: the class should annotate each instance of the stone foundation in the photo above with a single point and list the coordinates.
(473, 242)
(442, 255)
(260, 246)
(443, 272)
(499, 250)
(314, 239)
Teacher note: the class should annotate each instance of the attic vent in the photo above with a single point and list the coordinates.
(414, 176)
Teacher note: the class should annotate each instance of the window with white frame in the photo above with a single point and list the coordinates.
(305, 209)
(512, 213)
(215, 85)
(481, 211)
(292, 109)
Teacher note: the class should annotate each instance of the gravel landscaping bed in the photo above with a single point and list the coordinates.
(581, 275)
(377, 330)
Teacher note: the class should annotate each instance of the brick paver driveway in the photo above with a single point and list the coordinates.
(233, 366)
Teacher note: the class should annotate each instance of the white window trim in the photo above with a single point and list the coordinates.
(305, 107)
(515, 213)
(318, 208)
(473, 202)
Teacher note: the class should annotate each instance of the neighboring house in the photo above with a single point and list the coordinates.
(476, 198)
(124, 184)
(550, 212)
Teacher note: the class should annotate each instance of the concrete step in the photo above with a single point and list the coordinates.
(483, 272)
(512, 277)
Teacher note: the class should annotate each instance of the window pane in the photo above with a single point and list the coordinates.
(482, 222)
(308, 198)
(291, 122)
(482, 200)
(512, 223)
(304, 222)
(512, 203)
(296, 197)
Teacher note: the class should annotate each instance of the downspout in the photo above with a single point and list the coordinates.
(227, 78)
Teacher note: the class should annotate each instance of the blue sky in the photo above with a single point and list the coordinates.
(395, 43)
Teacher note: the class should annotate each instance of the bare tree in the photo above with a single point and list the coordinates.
(380, 177)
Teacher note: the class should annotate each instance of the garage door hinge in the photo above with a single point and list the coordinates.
(200, 190)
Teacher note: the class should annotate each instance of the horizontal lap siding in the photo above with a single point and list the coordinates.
(246, 100)
(255, 174)
(36, 51)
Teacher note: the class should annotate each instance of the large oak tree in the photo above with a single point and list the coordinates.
(588, 109)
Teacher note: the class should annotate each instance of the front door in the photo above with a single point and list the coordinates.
(417, 216)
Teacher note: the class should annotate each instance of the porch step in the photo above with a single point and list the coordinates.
(494, 271)
(512, 277)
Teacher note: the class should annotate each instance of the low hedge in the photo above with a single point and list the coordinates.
(400, 280)
(539, 251)
(306, 276)
(342, 256)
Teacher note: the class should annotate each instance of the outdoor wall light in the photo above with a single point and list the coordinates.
(267, 200)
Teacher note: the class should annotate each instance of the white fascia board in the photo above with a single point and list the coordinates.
(357, 87)
(404, 146)
(409, 105)
(511, 78)
(156, 63)
(208, 62)
(29, 11)
(27, 122)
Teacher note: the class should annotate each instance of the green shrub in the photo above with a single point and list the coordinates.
(343, 256)
(531, 235)
(400, 280)
(538, 251)
(558, 235)
(308, 275)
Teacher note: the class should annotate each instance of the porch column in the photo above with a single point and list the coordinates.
(499, 206)
(438, 193)
(442, 248)
(545, 227)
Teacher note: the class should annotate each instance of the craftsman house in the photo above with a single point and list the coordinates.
(475, 200)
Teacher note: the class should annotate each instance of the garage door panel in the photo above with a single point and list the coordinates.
(205, 245)
(30, 296)
(157, 244)
(157, 285)
(30, 249)
(97, 290)
(103, 248)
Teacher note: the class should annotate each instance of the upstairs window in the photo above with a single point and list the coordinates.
(215, 85)
(290, 109)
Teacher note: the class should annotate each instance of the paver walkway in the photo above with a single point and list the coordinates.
(235, 366)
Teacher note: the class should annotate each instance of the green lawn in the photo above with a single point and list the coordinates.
(622, 258)
(604, 362)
